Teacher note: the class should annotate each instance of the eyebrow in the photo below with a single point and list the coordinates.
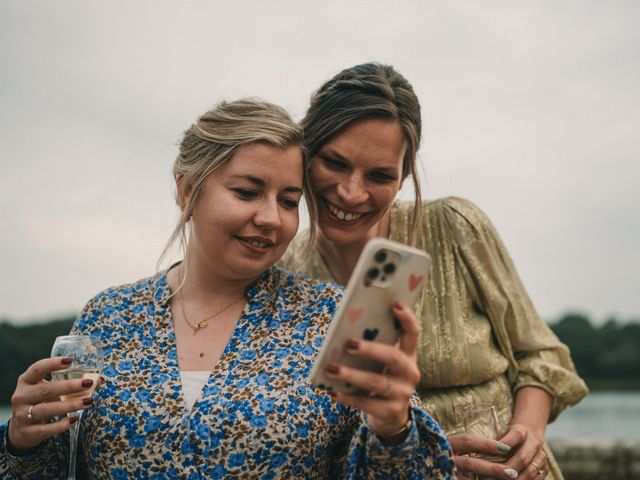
(261, 183)
(331, 153)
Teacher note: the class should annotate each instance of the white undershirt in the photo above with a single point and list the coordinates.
(192, 383)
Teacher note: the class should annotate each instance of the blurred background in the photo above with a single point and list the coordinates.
(530, 109)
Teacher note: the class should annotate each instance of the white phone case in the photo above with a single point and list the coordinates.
(386, 272)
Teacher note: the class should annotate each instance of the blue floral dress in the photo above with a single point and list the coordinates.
(257, 416)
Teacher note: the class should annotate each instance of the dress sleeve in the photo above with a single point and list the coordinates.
(536, 356)
(50, 459)
(425, 452)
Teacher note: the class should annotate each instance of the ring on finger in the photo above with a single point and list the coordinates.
(30, 413)
(538, 468)
(388, 389)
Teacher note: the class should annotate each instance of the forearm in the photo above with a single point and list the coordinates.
(532, 409)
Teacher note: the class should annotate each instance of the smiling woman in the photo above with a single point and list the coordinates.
(247, 212)
(482, 340)
(206, 363)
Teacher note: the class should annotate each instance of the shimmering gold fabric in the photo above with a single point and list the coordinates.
(481, 337)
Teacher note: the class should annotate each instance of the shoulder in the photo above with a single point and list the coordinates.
(458, 209)
(304, 288)
(111, 301)
(445, 217)
(301, 292)
(137, 289)
(459, 217)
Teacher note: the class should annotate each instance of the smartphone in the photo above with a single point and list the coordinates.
(386, 272)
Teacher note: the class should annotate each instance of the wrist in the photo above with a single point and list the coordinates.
(14, 450)
(396, 437)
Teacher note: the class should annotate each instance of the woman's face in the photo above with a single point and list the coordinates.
(355, 178)
(247, 211)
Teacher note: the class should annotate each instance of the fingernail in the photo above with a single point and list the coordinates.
(510, 473)
(73, 419)
(67, 360)
(333, 368)
(503, 447)
(87, 382)
(87, 401)
(397, 305)
(352, 345)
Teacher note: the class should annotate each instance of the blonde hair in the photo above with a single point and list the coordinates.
(362, 92)
(213, 140)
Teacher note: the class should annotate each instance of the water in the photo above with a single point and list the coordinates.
(601, 416)
(4, 414)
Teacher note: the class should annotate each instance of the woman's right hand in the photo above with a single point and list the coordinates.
(466, 446)
(41, 398)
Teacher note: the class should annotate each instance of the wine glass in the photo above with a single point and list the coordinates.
(482, 419)
(88, 360)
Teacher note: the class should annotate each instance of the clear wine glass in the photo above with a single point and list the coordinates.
(88, 360)
(482, 419)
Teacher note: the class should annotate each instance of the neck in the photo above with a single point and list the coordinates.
(204, 285)
(341, 259)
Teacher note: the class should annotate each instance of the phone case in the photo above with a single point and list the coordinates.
(386, 271)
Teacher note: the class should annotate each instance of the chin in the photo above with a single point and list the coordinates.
(252, 270)
(342, 235)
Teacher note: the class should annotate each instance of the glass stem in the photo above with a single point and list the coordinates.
(73, 439)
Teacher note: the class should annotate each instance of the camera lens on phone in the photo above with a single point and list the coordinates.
(380, 256)
(389, 268)
(373, 273)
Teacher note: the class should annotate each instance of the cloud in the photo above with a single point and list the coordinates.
(530, 110)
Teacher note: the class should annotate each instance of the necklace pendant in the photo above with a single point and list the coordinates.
(202, 324)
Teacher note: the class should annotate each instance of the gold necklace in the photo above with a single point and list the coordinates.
(202, 324)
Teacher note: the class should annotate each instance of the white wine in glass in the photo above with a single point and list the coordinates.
(88, 360)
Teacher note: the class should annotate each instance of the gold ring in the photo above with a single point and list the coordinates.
(538, 468)
(387, 391)
(29, 416)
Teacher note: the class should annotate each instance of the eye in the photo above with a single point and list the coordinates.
(381, 177)
(245, 193)
(289, 203)
(334, 164)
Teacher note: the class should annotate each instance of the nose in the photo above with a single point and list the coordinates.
(268, 214)
(352, 192)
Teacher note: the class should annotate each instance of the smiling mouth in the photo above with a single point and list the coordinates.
(260, 244)
(342, 215)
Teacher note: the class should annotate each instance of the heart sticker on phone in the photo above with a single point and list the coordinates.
(354, 314)
(370, 334)
(414, 281)
(337, 355)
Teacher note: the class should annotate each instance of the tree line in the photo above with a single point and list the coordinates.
(607, 356)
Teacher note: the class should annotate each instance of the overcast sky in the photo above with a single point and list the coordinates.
(531, 110)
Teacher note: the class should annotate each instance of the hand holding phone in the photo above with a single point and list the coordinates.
(386, 272)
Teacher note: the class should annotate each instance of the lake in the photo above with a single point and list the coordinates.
(601, 416)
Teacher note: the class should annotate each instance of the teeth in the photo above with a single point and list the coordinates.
(257, 244)
(342, 215)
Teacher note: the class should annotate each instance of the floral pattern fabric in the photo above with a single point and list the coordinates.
(257, 416)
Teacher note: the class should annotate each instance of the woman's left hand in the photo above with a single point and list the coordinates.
(526, 456)
(388, 405)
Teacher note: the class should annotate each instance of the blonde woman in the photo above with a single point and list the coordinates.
(207, 362)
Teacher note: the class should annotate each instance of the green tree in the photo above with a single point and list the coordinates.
(21, 346)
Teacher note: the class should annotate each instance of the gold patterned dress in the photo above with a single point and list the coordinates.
(482, 339)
